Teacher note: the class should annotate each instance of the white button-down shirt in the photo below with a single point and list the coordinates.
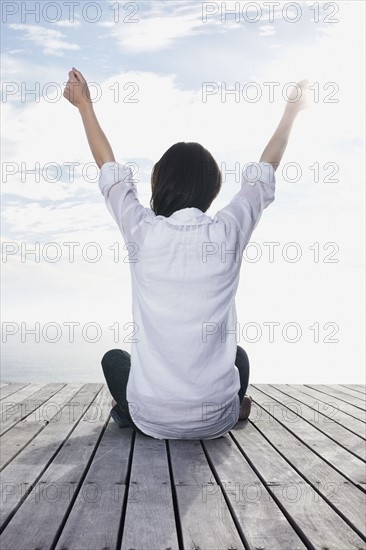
(183, 382)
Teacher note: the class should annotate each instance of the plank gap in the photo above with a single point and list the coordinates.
(287, 515)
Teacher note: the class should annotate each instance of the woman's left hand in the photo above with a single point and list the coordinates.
(76, 90)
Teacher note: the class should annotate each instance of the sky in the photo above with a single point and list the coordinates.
(168, 71)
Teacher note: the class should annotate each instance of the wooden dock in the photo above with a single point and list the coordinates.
(291, 477)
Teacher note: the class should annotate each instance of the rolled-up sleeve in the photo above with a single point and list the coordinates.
(120, 194)
(257, 191)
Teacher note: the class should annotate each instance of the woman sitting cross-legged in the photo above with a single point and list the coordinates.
(186, 376)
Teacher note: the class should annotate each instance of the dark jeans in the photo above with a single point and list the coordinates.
(116, 364)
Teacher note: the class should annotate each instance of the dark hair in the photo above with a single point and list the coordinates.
(186, 176)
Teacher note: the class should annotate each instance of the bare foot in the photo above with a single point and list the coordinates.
(245, 407)
(114, 403)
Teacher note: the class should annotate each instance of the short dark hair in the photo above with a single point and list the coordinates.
(186, 176)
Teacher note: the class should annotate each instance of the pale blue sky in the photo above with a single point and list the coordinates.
(169, 53)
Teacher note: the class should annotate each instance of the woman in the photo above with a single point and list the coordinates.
(186, 376)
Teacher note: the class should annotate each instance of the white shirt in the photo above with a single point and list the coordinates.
(183, 382)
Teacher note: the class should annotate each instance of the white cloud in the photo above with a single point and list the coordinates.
(51, 42)
(106, 24)
(159, 28)
(13, 52)
(24, 82)
(141, 37)
(267, 30)
(34, 219)
(67, 23)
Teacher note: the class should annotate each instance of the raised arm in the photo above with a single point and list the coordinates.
(77, 92)
(276, 146)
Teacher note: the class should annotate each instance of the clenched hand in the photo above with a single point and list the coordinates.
(76, 90)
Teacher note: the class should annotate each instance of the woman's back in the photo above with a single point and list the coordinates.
(185, 272)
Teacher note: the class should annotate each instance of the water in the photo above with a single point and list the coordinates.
(57, 362)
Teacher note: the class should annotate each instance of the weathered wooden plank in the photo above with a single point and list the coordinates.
(10, 389)
(252, 504)
(206, 523)
(326, 411)
(350, 393)
(94, 520)
(333, 389)
(27, 406)
(359, 388)
(22, 473)
(14, 441)
(15, 398)
(149, 520)
(54, 492)
(342, 436)
(347, 464)
(18, 437)
(334, 487)
(359, 399)
(10, 405)
(314, 518)
(325, 398)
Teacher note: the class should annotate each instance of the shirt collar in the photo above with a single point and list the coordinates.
(188, 216)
